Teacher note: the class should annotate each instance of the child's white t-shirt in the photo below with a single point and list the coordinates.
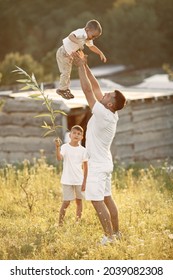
(81, 35)
(73, 157)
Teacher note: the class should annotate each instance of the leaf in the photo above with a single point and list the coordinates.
(34, 79)
(25, 87)
(35, 95)
(38, 98)
(23, 81)
(45, 123)
(59, 126)
(48, 132)
(59, 112)
(21, 71)
(46, 126)
(42, 115)
(15, 71)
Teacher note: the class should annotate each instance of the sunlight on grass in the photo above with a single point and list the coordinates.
(30, 198)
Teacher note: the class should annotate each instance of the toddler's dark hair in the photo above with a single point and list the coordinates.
(94, 25)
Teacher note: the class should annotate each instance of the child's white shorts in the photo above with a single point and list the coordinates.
(71, 192)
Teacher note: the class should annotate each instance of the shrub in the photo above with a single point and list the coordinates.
(25, 61)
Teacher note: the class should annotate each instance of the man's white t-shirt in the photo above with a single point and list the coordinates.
(101, 130)
(81, 35)
(73, 157)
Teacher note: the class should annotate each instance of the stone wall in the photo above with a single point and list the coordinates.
(144, 132)
(21, 134)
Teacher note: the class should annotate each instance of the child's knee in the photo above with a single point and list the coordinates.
(78, 201)
(66, 203)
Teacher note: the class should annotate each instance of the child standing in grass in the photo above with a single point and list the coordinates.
(74, 172)
(74, 42)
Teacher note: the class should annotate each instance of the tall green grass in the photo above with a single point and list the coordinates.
(30, 198)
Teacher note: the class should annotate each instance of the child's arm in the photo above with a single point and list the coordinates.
(85, 173)
(57, 145)
(99, 52)
(75, 40)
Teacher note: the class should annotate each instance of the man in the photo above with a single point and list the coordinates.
(101, 130)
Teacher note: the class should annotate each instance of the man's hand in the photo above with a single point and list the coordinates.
(79, 58)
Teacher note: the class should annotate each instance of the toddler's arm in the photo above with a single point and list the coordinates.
(75, 40)
(99, 52)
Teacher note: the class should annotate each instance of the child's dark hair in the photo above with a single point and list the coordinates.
(78, 127)
(94, 25)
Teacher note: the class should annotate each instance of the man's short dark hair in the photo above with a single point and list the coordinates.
(120, 100)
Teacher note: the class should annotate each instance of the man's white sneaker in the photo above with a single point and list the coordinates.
(106, 240)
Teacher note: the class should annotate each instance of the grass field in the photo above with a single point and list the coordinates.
(30, 197)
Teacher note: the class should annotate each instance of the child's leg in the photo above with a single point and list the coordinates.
(65, 65)
(62, 212)
(68, 196)
(78, 209)
(78, 202)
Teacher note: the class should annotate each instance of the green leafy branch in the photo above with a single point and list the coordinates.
(31, 83)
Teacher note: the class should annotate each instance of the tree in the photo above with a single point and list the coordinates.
(132, 39)
(24, 61)
(137, 32)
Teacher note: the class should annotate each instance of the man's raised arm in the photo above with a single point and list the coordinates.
(84, 79)
(95, 85)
